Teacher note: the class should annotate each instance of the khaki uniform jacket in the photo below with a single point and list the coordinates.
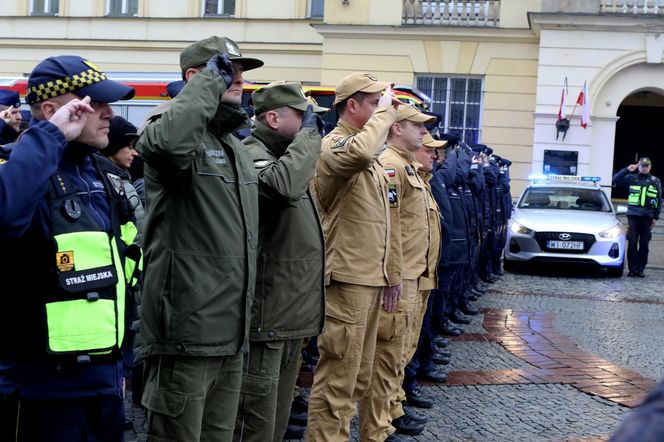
(201, 228)
(434, 251)
(409, 237)
(351, 192)
(290, 286)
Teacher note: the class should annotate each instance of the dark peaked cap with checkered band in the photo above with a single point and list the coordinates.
(56, 76)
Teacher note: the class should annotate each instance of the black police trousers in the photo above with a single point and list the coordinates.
(93, 419)
(638, 237)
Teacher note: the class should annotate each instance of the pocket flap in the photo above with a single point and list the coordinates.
(342, 312)
(163, 401)
(255, 385)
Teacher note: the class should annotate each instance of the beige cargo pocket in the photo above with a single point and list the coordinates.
(391, 326)
(340, 328)
(161, 401)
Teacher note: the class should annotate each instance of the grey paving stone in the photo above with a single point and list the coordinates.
(482, 356)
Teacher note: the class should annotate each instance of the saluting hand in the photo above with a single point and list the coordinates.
(388, 99)
(6, 115)
(391, 295)
(222, 65)
(71, 117)
(632, 167)
(311, 119)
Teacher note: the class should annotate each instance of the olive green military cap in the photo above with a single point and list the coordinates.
(202, 51)
(411, 113)
(358, 82)
(280, 94)
(430, 141)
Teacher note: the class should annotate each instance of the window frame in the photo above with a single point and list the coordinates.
(46, 10)
(218, 14)
(310, 9)
(124, 9)
(444, 124)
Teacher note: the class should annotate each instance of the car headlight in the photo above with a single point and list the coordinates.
(613, 232)
(518, 228)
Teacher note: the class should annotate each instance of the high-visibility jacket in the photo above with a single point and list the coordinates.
(69, 288)
(645, 193)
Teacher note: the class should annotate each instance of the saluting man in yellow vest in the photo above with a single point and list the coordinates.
(65, 228)
(644, 204)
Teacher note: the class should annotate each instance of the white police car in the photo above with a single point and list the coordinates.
(565, 219)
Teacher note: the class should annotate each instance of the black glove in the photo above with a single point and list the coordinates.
(222, 65)
(310, 119)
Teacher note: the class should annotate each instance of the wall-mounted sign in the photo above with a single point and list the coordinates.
(561, 162)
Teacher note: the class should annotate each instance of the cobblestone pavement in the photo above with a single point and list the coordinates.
(561, 355)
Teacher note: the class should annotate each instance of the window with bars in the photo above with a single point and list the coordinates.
(316, 8)
(458, 100)
(44, 7)
(122, 8)
(218, 7)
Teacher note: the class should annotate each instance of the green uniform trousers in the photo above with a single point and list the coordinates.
(268, 382)
(346, 347)
(393, 338)
(192, 398)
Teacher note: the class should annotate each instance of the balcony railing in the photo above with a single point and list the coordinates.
(451, 12)
(632, 6)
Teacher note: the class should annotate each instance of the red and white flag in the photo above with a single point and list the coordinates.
(585, 105)
(563, 102)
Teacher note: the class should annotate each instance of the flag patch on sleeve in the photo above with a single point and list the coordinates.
(390, 173)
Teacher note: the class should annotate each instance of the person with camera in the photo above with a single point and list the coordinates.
(644, 204)
(200, 242)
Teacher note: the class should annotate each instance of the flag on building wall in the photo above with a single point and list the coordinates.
(585, 105)
(562, 111)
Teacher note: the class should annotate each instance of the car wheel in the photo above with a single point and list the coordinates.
(616, 272)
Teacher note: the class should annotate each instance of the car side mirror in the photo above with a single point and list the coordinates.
(621, 210)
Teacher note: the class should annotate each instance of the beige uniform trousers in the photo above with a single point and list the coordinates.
(346, 347)
(388, 367)
(410, 348)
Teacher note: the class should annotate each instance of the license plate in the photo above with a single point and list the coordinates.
(566, 245)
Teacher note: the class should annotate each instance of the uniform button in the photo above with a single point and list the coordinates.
(179, 347)
(249, 236)
(270, 334)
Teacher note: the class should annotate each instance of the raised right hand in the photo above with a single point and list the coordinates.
(223, 66)
(388, 99)
(71, 117)
(632, 167)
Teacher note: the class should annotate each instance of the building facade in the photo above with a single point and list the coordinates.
(493, 68)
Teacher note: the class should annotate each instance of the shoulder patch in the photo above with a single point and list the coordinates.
(409, 170)
(259, 164)
(393, 195)
(390, 172)
(339, 141)
(116, 183)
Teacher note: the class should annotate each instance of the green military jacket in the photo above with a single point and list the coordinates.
(290, 301)
(201, 229)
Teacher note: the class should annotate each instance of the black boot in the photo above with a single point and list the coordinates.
(459, 318)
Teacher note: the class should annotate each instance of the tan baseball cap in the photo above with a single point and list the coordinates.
(358, 82)
(430, 141)
(411, 113)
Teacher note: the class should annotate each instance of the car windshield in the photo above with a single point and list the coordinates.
(565, 198)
